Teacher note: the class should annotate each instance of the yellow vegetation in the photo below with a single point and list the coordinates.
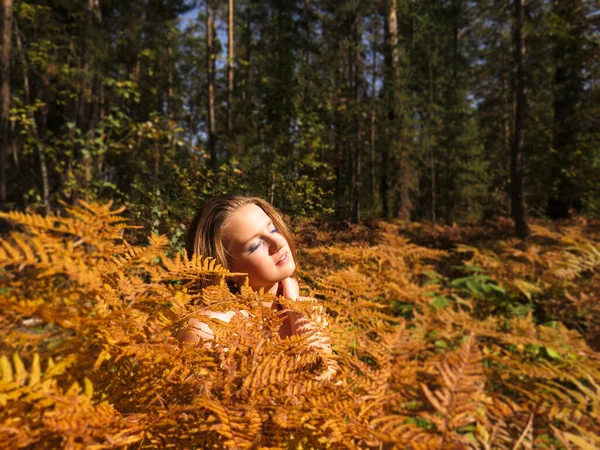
(426, 360)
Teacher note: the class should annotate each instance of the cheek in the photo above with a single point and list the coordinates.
(256, 264)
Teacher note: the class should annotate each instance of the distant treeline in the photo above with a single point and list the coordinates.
(425, 110)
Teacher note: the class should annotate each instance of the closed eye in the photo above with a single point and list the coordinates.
(255, 247)
(258, 244)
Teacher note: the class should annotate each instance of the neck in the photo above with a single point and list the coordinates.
(272, 290)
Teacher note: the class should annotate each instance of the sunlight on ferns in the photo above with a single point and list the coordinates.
(426, 353)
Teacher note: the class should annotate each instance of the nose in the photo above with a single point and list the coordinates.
(277, 242)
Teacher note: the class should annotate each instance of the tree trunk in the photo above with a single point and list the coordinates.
(33, 129)
(429, 143)
(248, 46)
(569, 56)
(516, 160)
(308, 33)
(210, 71)
(170, 99)
(373, 112)
(5, 33)
(85, 95)
(357, 145)
(83, 105)
(393, 166)
(230, 56)
(507, 122)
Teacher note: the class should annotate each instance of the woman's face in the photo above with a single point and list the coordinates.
(257, 248)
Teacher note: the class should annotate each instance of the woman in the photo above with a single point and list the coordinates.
(246, 234)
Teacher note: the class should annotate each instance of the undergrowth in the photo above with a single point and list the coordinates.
(435, 348)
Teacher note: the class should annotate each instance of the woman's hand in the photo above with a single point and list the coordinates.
(195, 331)
(290, 288)
(198, 331)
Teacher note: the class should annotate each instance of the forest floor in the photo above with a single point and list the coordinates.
(553, 273)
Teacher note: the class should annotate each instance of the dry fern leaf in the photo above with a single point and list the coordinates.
(21, 253)
(459, 401)
(94, 225)
(197, 268)
(140, 255)
(586, 441)
(579, 260)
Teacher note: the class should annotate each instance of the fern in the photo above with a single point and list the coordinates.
(361, 373)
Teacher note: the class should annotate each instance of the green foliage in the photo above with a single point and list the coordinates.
(110, 103)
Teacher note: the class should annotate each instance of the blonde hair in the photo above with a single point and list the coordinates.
(204, 236)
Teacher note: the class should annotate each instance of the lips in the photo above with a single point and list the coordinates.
(282, 260)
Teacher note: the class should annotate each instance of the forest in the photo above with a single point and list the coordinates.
(438, 162)
(441, 111)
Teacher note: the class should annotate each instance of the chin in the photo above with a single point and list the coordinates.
(290, 270)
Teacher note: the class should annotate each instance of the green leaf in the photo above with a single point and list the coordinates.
(441, 344)
(553, 353)
(497, 288)
(439, 302)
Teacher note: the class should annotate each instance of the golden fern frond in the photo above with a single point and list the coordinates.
(289, 363)
(24, 392)
(349, 283)
(78, 420)
(36, 223)
(90, 224)
(585, 440)
(238, 427)
(197, 268)
(217, 295)
(52, 256)
(526, 288)
(138, 255)
(530, 255)
(578, 260)
(397, 429)
(569, 395)
(460, 399)
(545, 232)
(100, 216)
(21, 253)
(484, 258)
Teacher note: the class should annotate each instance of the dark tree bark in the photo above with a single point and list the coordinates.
(33, 129)
(429, 139)
(210, 71)
(516, 159)
(373, 128)
(170, 99)
(355, 162)
(394, 158)
(247, 37)
(230, 56)
(391, 59)
(84, 121)
(568, 53)
(85, 94)
(5, 54)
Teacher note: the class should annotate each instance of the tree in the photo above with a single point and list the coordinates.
(210, 75)
(568, 50)
(516, 159)
(391, 150)
(5, 66)
(230, 56)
